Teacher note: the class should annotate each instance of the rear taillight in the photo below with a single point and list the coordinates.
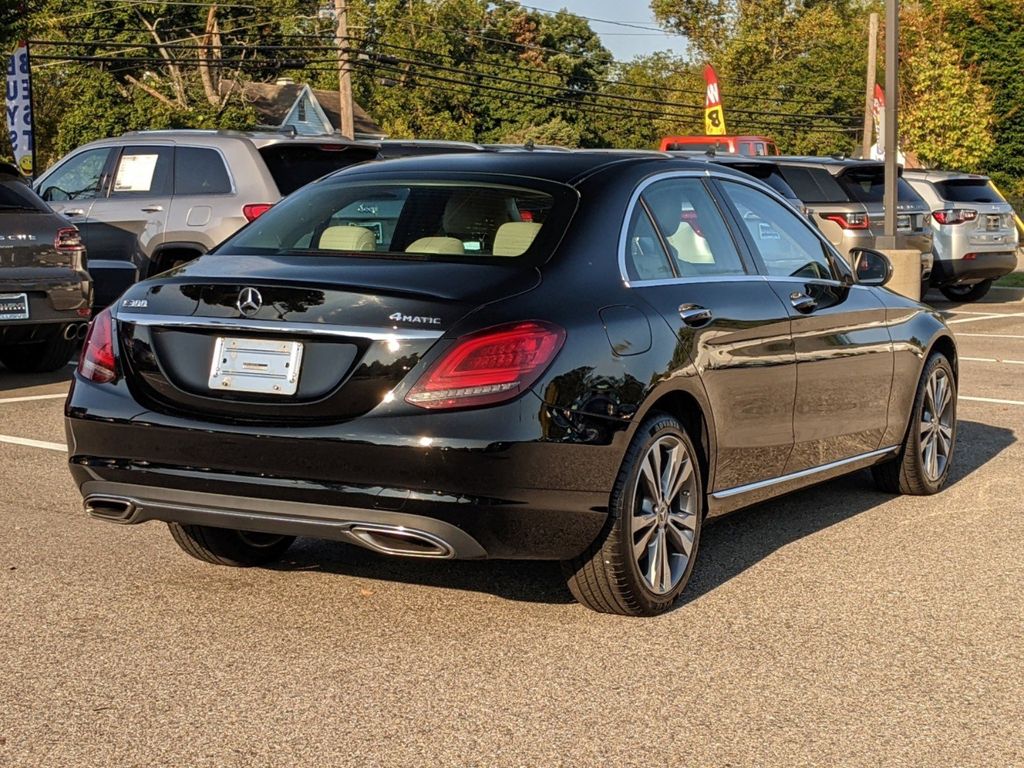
(98, 363)
(954, 215)
(849, 220)
(68, 239)
(488, 367)
(254, 210)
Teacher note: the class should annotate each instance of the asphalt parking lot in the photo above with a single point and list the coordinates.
(837, 626)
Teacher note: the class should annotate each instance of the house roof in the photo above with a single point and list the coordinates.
(273, 102)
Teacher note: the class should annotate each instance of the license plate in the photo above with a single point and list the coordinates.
(993, 222)
(903, 221)
(13, 306)
(256, 365)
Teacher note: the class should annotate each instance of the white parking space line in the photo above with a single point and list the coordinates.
(28, 398)
(982, 317)
(992, 360)
(991, 400)
(991, 335)
(33, 443)
(978, 312)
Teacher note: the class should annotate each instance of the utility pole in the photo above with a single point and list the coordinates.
(347, 127)
(869, 87)
(892, 39)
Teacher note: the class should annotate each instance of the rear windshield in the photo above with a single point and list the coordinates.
(16, 195)
(813, 185)
(295, 165)
(968, 191)
(441, 220)
(868, 186)
(769, 174)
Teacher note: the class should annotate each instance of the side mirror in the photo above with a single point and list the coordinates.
(871, 267)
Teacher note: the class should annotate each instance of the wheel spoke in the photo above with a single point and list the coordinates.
(654, 560)
(683, 473)
(947, 397)
(665, 583)
(670, 471)
(641, 547)
(681, 536)
(926, 430)
(650, 474)
(929, 397)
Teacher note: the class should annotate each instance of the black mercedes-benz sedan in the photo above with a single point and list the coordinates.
(45, 291)
(571, 356)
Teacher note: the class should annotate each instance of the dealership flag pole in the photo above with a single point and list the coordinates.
(19, 110)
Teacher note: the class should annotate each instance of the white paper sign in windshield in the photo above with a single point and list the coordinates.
(19, 108)
(135, 173)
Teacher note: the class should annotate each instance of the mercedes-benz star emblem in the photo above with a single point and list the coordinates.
(249, 301)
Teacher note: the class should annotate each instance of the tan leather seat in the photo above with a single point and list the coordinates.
(450, 246)
(348, 238)
(690, 246)
(515, 237)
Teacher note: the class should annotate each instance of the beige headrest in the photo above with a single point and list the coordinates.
(450, 246)
(515, 237)
(348, 238)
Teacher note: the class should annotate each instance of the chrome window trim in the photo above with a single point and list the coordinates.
(741, 489)
(624, 230)
(711, 174)
(313, 329)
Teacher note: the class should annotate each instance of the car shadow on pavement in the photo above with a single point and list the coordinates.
(11, 381)
(729, 545)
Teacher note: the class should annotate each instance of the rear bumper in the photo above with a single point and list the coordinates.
(984, 266)
(51, 302)
(492, 476)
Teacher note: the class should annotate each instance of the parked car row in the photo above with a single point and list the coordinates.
(45, 291)
(148, 201)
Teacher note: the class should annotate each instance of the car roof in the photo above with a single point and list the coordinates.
(932, 175)
(219, 137)
(562, 167)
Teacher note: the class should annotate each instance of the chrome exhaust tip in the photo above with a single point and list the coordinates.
(83, 330)
(114, 508)
(399, 540)
(74, 331)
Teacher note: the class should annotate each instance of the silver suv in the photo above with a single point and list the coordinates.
(146, 201)
(844, 198)
(975, 238)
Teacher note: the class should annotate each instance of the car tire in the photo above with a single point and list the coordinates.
(38, 356)
(964, 293)
(922, 466)
(623, 571)
(225, 546)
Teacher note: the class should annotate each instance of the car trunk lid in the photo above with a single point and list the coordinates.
(353, 327)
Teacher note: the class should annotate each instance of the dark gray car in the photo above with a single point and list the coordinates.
(45, 292)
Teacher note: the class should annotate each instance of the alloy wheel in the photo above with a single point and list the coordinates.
(936, 424)
(664, 517)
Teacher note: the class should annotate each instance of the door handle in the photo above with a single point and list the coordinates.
(152, 209)
(802, 302)
(694, 315)
(76, 212)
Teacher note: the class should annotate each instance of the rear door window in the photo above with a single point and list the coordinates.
(200, 171)
(421, 220)
(968, 191)
(293, 165)
(692, 228)
(17, 195)
(143, 171)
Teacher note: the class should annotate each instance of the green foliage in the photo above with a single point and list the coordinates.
(947, 115)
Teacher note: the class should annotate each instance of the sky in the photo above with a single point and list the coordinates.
(624, 42)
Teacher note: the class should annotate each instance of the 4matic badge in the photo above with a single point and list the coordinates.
(398, 317)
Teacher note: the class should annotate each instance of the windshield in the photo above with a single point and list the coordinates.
(431, 220)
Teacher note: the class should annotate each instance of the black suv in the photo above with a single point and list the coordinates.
(45, 292)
